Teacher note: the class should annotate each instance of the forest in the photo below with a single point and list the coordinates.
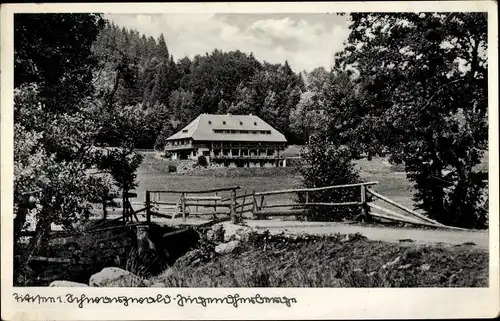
(162, 94)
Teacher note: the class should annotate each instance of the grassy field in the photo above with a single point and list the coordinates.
(153, 175)
(278, 261)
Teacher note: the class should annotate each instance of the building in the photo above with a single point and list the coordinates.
(233, 140)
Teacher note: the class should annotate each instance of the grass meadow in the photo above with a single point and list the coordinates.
(153, 175)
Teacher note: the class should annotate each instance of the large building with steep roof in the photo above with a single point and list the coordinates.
(232, 140)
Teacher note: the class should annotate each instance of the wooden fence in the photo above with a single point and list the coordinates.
(187, 199)
(408, 216)
(255, 203)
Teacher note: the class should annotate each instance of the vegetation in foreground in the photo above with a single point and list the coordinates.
(333, 261)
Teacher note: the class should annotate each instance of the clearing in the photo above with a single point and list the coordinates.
(153, 175)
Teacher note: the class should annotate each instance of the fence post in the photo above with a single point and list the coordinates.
(234, 219)
(308, 218)
(104, 210)
(148, 208)
(364, 204)
(254, 206)
(243, 206)
(183, 206)
(124, 207)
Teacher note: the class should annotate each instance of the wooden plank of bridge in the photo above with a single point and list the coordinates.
(283, 213)
(417, 215)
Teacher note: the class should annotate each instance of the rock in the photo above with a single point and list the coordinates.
(67, 284)
(157, 285)
(216, 233)
(229, 247)
(391, 263)
(372, 273)
(425, 267)
(236, 232)
(116, 277)
(405, 267)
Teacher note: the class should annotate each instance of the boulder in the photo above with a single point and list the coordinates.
(67, 284)
(236, 232)
(116, 277)
(157, 285)
(225, 248)
(216, 233)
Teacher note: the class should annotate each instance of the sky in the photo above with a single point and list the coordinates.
(307, 41)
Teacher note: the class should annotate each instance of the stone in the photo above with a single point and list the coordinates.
(67, 284)
(157, 285)
(225, 248)
(216, 233)
(116, 277)
(236, 232)
(391, 263)
(425, 267)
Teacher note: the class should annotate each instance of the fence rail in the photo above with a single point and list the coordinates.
(254, 205)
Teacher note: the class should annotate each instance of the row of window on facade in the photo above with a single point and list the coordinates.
(235, 152)
(178, 142)
(237, 131)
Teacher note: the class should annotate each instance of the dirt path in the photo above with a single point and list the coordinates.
(387, 234)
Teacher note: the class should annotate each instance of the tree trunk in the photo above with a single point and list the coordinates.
(40, 241)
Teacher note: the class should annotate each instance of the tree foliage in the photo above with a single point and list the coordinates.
(423, 82)
(327, 163)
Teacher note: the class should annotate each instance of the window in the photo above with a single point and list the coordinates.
(255, 123)
(244, 131)
(241, 123)
(184, 130)
(223, 122)
(255, 132)
(206, 153)
(268, 132)
(210, 122)
(194, 152)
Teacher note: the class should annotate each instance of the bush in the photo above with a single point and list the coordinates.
(172, 168)
(325, 164)
(202, 161)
